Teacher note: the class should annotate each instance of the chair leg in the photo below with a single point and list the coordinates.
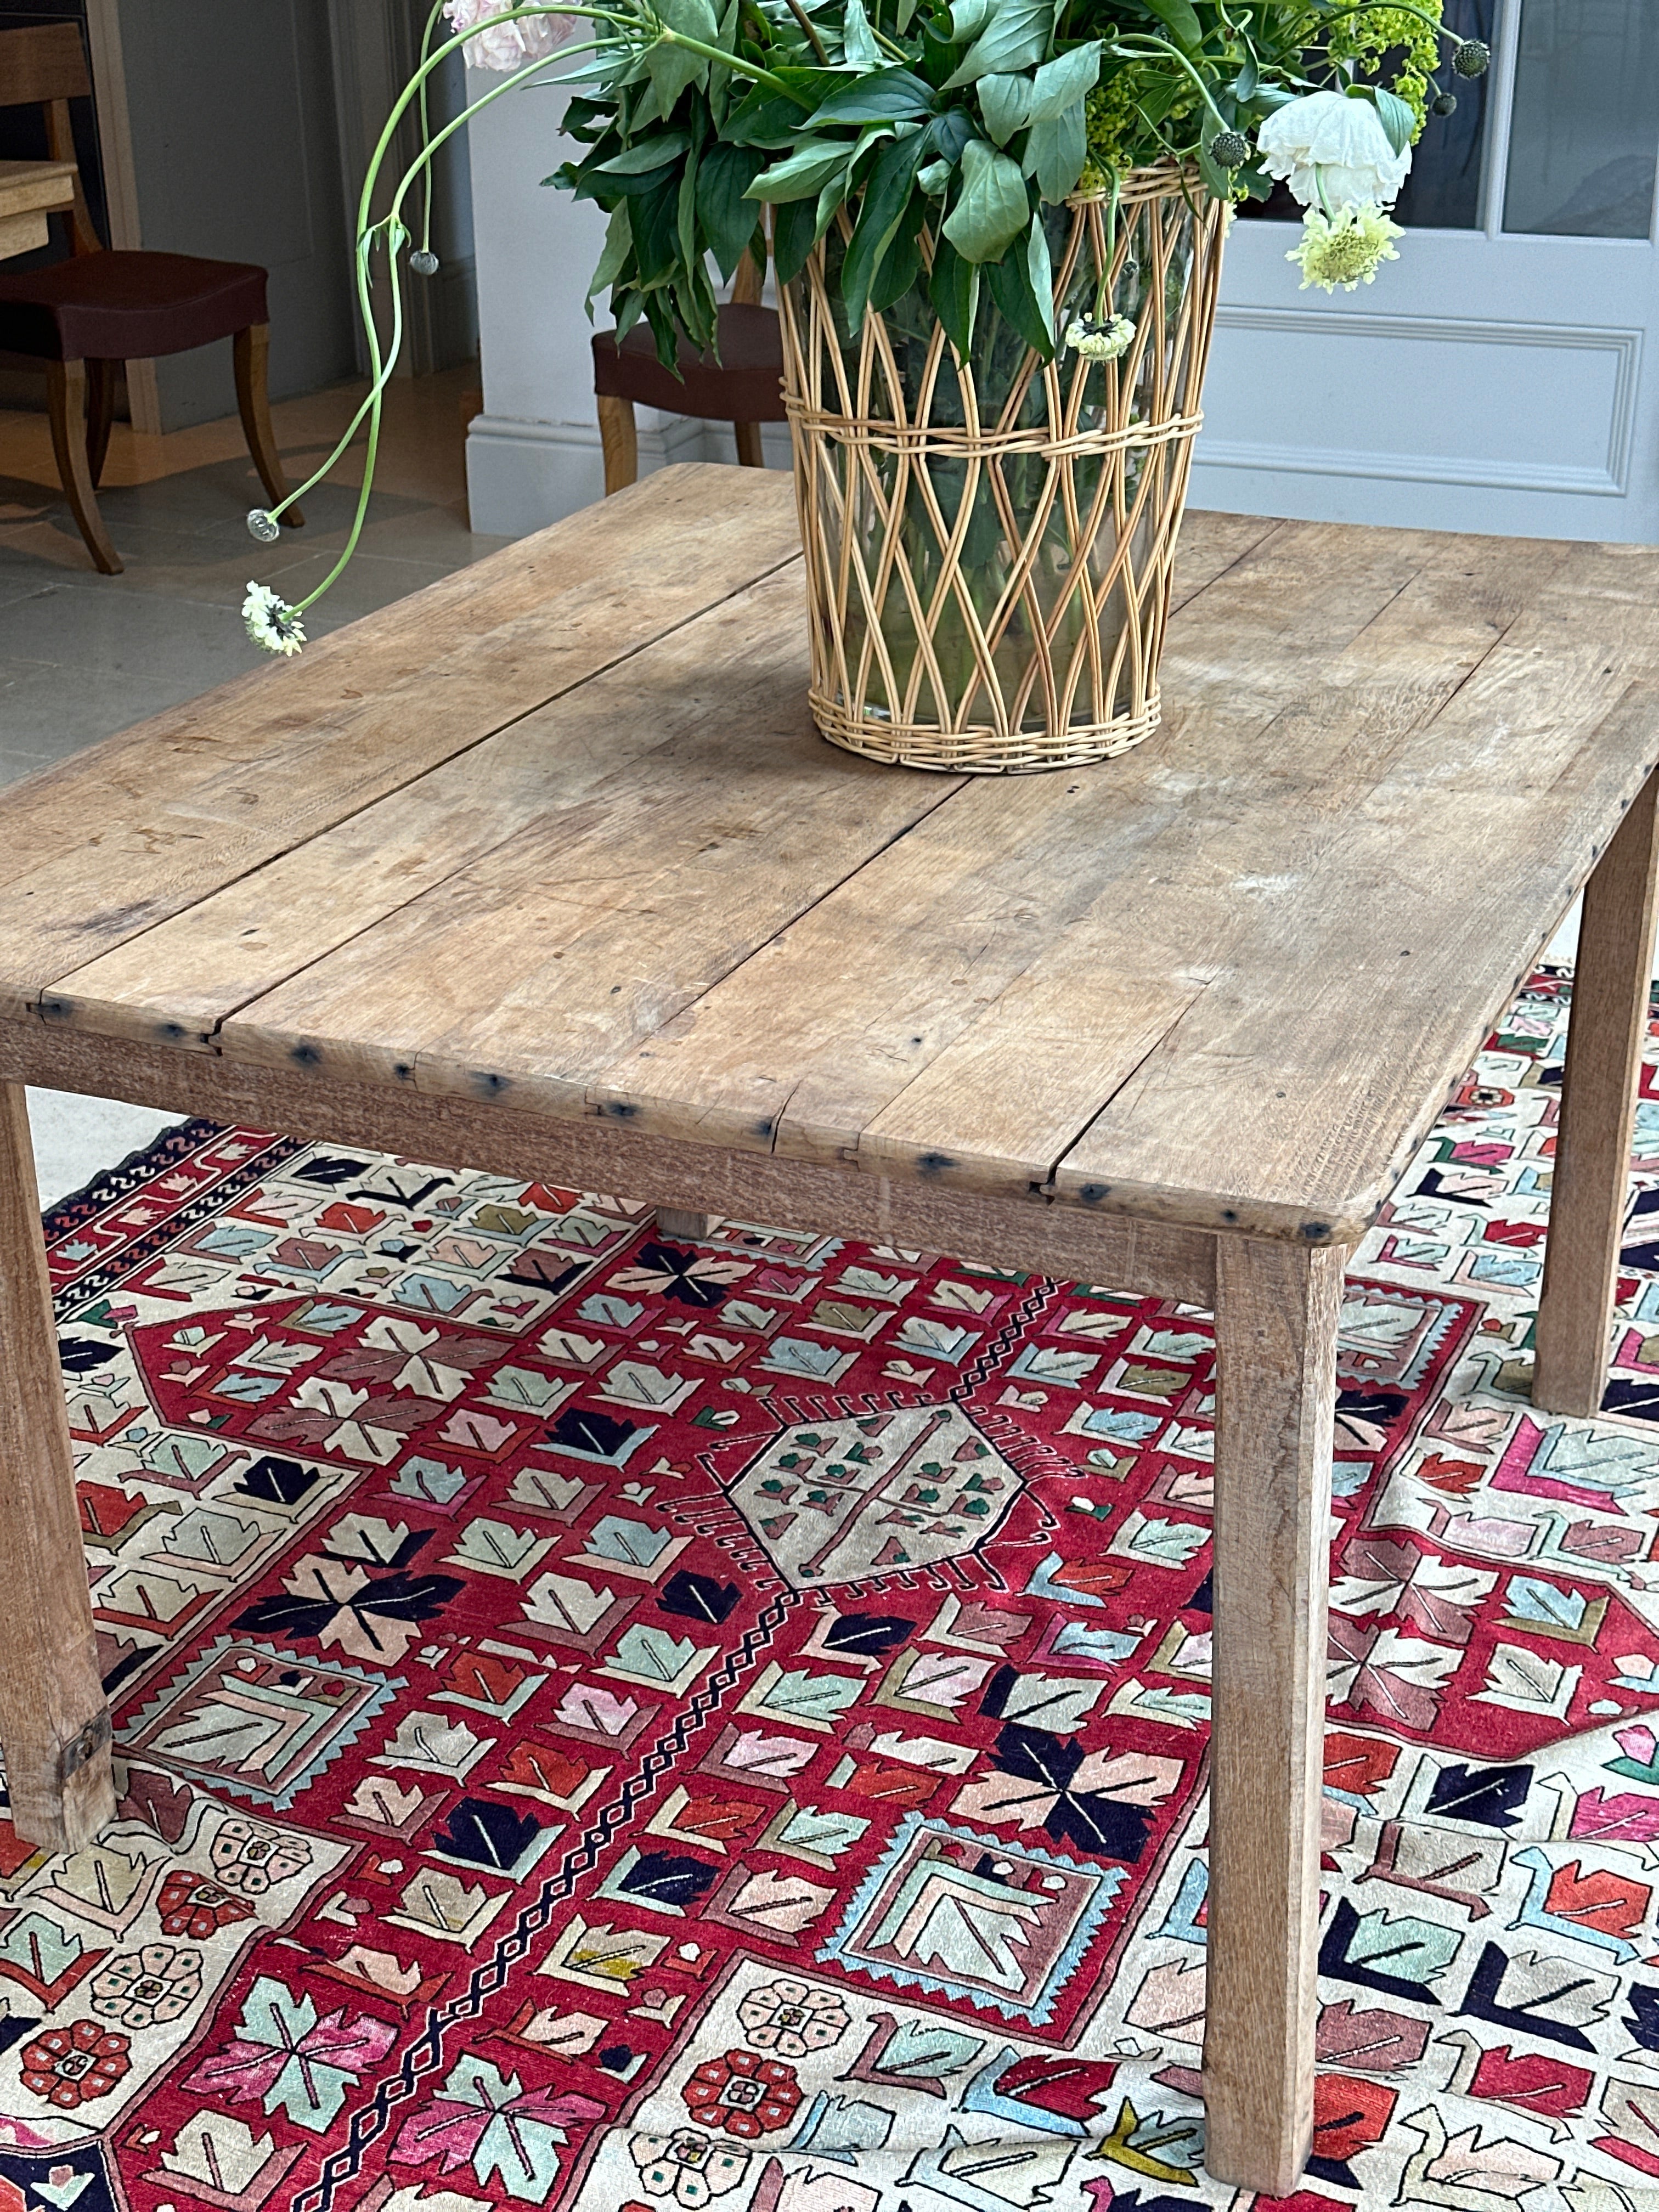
(100, 414)
(619, 441)
(253, 355)
(749, 455)
(66, 404)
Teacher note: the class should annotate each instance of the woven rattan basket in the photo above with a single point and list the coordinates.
(989, 542)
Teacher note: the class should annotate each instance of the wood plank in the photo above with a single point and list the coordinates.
(538, 799)
(1295, 1089)
(54, 1723)
(178, 980)
(22, 234)
(1591, 1193)
(1276, 1320)
(119, 837)
(1038, 937)
(1060, 1241)
(35, 187)
(527, 973)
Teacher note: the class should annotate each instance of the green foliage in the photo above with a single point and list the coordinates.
(926, 136)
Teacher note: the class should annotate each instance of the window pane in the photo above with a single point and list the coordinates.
(1444, 189)
(1586, 125)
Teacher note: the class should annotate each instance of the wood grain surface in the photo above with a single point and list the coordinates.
(51, 1695)
(556, 837)
(1589, 1194)
(1277, 1310)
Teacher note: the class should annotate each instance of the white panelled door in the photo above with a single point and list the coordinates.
(1504, 373)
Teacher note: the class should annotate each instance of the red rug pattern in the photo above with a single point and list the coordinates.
(605, 1721)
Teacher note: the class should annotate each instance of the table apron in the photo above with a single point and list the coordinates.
(1117, 1250)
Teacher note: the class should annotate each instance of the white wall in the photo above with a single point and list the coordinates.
(533, 454)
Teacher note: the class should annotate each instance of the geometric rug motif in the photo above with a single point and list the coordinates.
(614, 1724)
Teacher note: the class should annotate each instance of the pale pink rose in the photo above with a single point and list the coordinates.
(506, 46)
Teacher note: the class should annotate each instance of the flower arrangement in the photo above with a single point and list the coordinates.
(932, 134)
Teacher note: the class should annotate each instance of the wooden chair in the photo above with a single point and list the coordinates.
(743, 387)
(84, 317)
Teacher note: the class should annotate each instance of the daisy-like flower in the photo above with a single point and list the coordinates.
(1333, 152)
(506, 46)
(271, 622)
(1100, 340)
(1347, 248)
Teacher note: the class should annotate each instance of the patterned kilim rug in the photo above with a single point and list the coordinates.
(605, 1725)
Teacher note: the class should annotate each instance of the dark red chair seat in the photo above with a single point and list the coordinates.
(745, 385)
(127, 307)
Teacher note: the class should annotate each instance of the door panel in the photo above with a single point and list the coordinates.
(1499, 375)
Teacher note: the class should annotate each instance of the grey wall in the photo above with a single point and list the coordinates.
(236, 150)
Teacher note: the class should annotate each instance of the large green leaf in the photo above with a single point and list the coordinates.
(1040, 269)
(1012, 289)
(811, 165)
(992, 208)
(1006, 104)
(618, 244)
(953, 288)
(765, 117)
(948, 133)
(1178, 18)
(886, 194)
(857, 38)
(648, 153)
(901, 264)
(888, 95)
(656, 231)
(1055, 153)
(1397, 118)
(970, 17)
(792, 238)
(727, 217)
(671, 67)
(1015, 38)
(686, 212)
(1059, 84)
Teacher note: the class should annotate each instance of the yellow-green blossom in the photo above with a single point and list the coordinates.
(1347, 248)
(1371, 35)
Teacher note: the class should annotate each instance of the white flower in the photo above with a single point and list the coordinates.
(271, 622)
(1333, 152)
(506, 46)
(1097, 341)
(1346, 248)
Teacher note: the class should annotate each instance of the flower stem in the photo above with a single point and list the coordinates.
(811, 30)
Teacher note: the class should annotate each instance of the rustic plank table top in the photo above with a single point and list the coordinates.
(557, 835)
(545, 870)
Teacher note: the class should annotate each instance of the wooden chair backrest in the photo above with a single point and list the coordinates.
(45, 66)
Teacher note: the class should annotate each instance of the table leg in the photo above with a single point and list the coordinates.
(1598, 1114)
(1276, 1318)
(674, 1222)
(54, 1723)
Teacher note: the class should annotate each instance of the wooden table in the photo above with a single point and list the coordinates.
(29, 192)
(543, 871)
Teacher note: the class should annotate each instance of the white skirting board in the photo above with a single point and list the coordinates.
(521, 475)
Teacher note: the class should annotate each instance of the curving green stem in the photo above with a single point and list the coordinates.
(382, 364)
(1147, 43)
(426, 48)
(1434, 24)
(371, 400)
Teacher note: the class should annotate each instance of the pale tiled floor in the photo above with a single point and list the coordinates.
(82, 655)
